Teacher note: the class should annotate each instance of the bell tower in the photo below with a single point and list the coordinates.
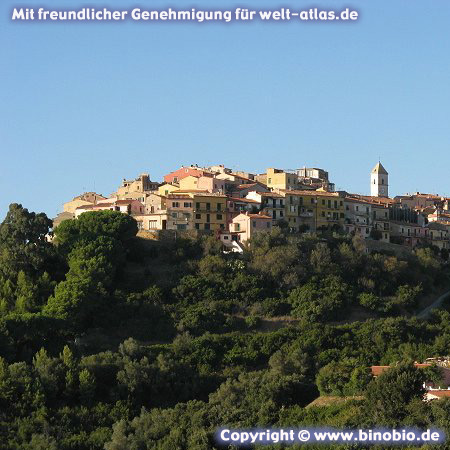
(379, 181)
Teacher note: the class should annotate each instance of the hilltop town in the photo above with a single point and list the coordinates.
(235, 205)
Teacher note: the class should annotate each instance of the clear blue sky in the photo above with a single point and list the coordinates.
(84, 105)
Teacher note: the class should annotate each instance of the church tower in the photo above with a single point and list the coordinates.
(379, 185)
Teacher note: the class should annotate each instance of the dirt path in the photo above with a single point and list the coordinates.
(435, 305)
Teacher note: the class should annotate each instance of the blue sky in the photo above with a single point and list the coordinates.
(84, 105)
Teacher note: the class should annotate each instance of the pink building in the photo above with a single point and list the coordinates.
(244, 226)
(183, 172)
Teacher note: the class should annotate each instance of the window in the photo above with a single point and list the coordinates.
(323, 202)
(238, 227)
(329, 203)
(175, 205)
(225, 238)
(197, 226)
(268, 224)
(281, 214)
(323, 213)
(207, 226)
(208, 218)
(198, 216)
(208, 206)
(187, 204)
(222, 226)
(269, 181)
(357, 208)
(254, 223)
(197, 205)
(219, 216)
(219, 206)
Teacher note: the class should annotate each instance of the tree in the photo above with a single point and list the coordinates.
(87, 386)
(92, 224)
(343, 377)
(24, 244)
(389, 395)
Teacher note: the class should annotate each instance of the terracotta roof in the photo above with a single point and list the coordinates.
(243, 200)
(259, 216)
(189, 190)
(312, 193)
(246, 186)
(441, 393)
(378, 370)
(379, 200)
(356, 200)
(124, 202)
(270, 194)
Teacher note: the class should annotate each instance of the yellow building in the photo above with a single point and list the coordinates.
(88, 198)
(139, 185)
(279, 179)
(193, 210)
(209, 211)
(315, 210)
(167, 189)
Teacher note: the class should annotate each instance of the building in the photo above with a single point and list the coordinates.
(315, 177)
(420, 201)
(141, 184)
(236, 206)
(312, 172)
(196, 210)
(180, 212)
(88, 198)
(209, 211)
(379, 181)
(124, 206)
(167, 188)
(380, 221)
(281, 179)
(405, 233)
(358, 217)
(205, 183)
(151, 222)
(439, 235)
(245, 226)
(242, 190)
(155, 203)
(272, 203)
(177, 175)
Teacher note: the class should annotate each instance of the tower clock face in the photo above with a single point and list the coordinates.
(382, 190)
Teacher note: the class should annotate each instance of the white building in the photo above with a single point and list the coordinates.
(379, 181)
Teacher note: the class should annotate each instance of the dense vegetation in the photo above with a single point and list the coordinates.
(112, 341)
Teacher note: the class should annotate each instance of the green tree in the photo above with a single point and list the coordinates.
(24, 244)
(389, 395)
